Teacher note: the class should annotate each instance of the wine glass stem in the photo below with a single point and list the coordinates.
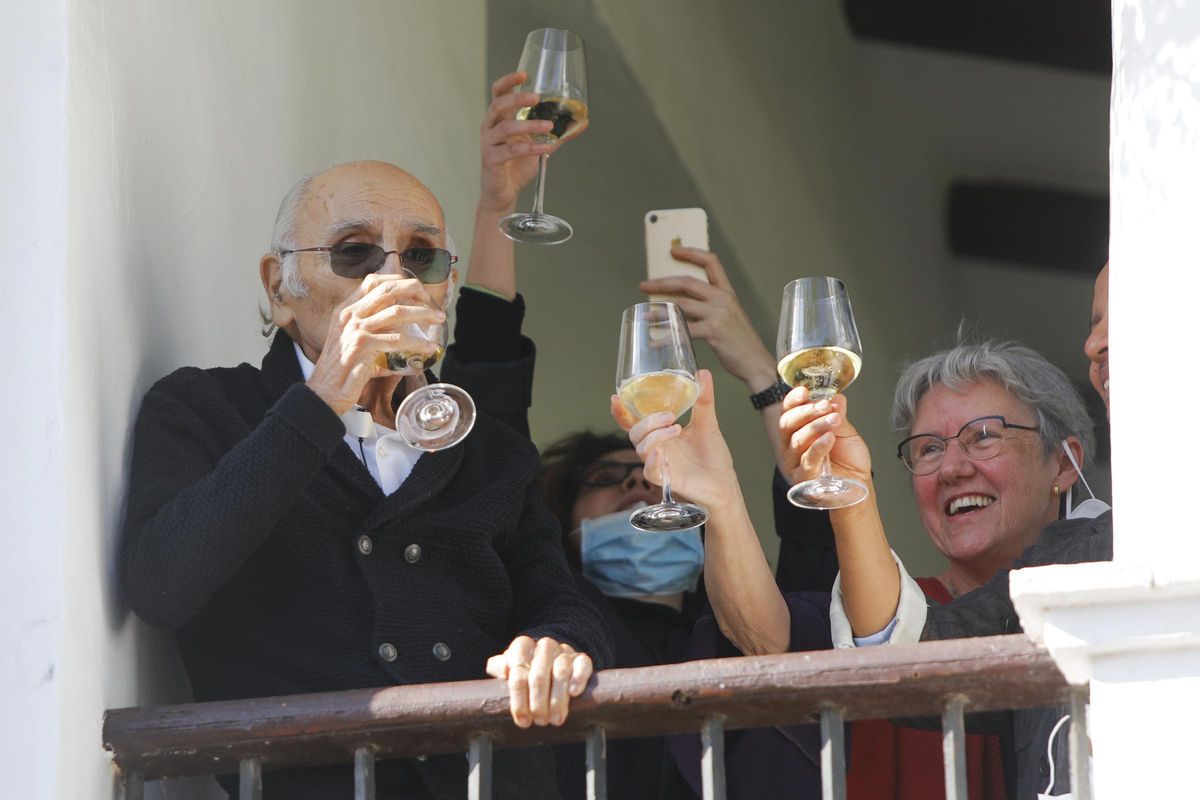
(539, 185)
(417, 378)
(666, 481)
(826, 472)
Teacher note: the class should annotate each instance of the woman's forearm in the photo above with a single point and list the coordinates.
(870, 578)
(750, 610)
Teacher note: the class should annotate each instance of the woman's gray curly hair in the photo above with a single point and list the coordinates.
(1021, 371)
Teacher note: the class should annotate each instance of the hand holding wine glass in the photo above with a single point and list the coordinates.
(701, 465)
(656, 374)
(817, 430)
(554, 63)
(510, 147)
(819, 349)
(431, 417)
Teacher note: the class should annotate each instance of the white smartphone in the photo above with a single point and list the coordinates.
(672, 227)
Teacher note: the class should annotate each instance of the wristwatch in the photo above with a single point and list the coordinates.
(769, 396)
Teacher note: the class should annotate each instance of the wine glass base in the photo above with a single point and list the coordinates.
(436, 417)
(668, 517)
(823, 494)
(534, 228)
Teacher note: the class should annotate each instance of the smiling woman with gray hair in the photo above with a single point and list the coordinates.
(1011, 413)
(988, 431)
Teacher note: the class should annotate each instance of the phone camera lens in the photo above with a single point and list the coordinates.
(654, 217)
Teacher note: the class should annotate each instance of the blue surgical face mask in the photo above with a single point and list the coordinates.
(1090, 508)
(622, 561)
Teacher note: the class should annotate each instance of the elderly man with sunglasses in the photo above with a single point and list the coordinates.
(296, 544)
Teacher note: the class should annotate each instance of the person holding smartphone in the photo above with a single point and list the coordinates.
(494, 362)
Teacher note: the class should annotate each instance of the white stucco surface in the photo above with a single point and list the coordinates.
(33, 200)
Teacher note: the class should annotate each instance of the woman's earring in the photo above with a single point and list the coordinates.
(1055, 490)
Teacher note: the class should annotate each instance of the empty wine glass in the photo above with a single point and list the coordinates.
(656, 371)
(553, 60)
(819, 348)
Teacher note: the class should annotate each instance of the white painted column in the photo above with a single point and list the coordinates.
(33, 203)
(1132, 627)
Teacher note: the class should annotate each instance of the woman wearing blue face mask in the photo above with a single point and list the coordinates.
(649, 588)
(645, 586)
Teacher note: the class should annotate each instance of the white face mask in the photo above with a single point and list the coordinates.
(1090, 508)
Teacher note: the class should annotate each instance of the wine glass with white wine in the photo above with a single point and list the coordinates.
(819, 349)
(656, 371)
(553, 61)
(436, 416)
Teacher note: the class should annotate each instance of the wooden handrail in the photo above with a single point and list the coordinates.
(892, 681)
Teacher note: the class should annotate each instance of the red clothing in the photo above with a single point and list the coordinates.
(888, 762)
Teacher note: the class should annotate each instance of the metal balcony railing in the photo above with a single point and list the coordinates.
(360, 726)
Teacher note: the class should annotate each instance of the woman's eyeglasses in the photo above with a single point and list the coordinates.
(357, 260)
(980, 439)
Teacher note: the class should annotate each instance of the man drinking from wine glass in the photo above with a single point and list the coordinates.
(295, 544)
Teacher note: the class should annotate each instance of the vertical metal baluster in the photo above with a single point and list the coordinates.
(250, 787)
(954, 748)
(364, 774)
(135, 786)
(1081, 776)
(597, 764)
(712, 757)
(833, 754)
(479, 764)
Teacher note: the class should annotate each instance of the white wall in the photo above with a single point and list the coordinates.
(33, 201)
(140, 181)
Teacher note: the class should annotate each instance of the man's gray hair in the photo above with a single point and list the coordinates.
(1021, 371)
(283, 237)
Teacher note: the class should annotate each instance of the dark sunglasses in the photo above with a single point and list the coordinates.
(357, 260)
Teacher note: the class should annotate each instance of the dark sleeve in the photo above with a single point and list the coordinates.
(196, 513)
(546, 600)
(807, 556)
(491, 359)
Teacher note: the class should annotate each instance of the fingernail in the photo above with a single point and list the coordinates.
(832, 420)
(822, 405)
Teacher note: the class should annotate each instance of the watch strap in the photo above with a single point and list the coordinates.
(769, 396)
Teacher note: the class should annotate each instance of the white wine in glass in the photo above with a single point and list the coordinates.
(656, 371)
(554, 63)
(824, 371)
(819, 349)
(409, 363)
(669, 390)
(567, 113)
